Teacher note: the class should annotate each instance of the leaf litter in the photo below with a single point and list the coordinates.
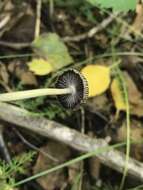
(53, 55)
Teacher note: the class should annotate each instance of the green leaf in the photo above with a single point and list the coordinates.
(50, 47)
(116, 5)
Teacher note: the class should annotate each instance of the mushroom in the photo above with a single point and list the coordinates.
(71, 88)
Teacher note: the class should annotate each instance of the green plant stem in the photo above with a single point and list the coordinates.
(114, 65)
(119, 54)
(73, 161)
(12, 96)
(105, 55)
(94, 57)
(128, 127)
(16, 56)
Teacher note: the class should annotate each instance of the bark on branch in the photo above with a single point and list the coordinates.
(73, 138)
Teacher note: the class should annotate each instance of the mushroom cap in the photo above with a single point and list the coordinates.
(79, 88)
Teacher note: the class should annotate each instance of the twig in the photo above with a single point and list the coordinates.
(73, 138)
(38, 17)
(4, 21)
(11, 23)
(124, 23)
(3, 83)
(3, 146)
(14, 45)
(26, 142)
(92, 31)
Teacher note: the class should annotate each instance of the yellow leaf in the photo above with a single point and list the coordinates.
(40, 66)
(98, 78)
(117, 95)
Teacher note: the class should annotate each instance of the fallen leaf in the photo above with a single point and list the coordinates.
(98, 104)
(61, 153)
(98, 78)
(133, 92)
(53, 50)
(11, 67)
(40, 66)
(136, 134)
(138, 22)
(117, 94)
(73, 172)
(21, 72)
(4, 73)
(134, 96)
(28, 78)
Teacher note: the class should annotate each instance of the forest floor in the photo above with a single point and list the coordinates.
(39, 41)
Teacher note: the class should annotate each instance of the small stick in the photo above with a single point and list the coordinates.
(4, 21)
(16, 45)
(37, 24)
(92, 31)
(32, 146)
(3, 147)
(71, 137)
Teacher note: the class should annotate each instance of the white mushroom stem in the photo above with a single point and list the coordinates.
(12, 96)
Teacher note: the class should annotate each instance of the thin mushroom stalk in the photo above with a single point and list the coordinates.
(26, 94)
(71, 88)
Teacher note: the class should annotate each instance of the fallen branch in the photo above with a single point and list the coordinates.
(73, 138)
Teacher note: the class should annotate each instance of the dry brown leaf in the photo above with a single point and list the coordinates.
(136, 132)
(26, 77)
(20, 70)
(138, 22)
(137, 109)
(136, 135)
(98, 103)
(134, 93)
(57, 179)
(11, 67)
(4, 73)
(135, 96)
(73, 171)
